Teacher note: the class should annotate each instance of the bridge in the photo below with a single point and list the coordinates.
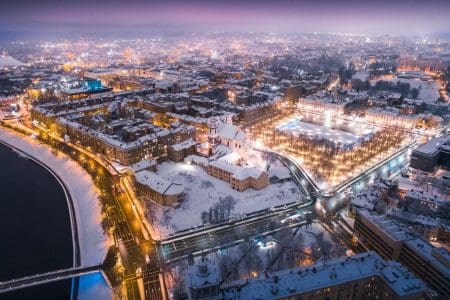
(43, 278)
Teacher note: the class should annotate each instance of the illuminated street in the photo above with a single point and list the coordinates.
(225, 150)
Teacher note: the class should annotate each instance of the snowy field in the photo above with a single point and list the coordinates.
(204, 191)
(429, 90)
(298, 127)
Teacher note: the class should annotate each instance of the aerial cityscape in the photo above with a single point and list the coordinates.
(225, 150)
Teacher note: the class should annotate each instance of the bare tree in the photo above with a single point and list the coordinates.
(250, 259)
(321, 248)
(228, 268)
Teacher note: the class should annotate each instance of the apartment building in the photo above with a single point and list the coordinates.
(362, 276)
(393, 241)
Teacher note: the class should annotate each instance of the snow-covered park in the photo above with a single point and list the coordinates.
(428, 90)
(203, 192)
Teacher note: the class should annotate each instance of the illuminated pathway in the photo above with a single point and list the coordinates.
(29, 281)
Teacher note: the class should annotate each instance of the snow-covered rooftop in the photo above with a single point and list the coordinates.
(142, 165)
(390, 227)
(230, 131)
(184, 145)
(304, 279)
(158, 183)
(432, 146)
(438, 257)
(238, 172)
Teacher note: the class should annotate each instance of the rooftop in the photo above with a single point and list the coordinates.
(158, 183)
(390, 227)
(304, 279)
(432, 147)
(438, 257)
(142, 165)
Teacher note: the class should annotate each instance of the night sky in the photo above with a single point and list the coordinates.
(384, 16)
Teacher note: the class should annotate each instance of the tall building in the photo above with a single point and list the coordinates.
(432, 154)
(392, 241)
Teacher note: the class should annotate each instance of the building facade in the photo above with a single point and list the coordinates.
(362, 276)
(156, 188)
(240, 178)
(392, 241)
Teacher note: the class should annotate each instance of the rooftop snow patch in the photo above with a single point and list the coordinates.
(345, 139)
(158, 183)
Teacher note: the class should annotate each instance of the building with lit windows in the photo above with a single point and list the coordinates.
(393, 241)
(239, 177)
(391, 117)
(362, 276)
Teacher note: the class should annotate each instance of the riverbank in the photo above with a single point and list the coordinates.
(25, 236)
(92, 243)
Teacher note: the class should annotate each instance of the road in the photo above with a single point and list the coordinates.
(173, 249)
(136, 250)
(226, 235)
(140, 253)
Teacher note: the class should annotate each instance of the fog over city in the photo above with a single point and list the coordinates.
(139, 17)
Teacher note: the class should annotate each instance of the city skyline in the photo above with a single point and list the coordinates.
(139, 17)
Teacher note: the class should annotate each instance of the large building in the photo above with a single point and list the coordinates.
(392, 241)
(159, 189)
(362, 276)
(330, 103)
(114, 128)
(178, 152)
(90, 87)
(138, 139)
(225, 133)
(239, 177)
(391, 117)
(435, 152)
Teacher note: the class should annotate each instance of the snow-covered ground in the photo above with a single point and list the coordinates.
(297, 127)
(203, 191)
(428, 90)
(260, 258)
(93, 243)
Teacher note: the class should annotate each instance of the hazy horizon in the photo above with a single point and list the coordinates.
(57, 18)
